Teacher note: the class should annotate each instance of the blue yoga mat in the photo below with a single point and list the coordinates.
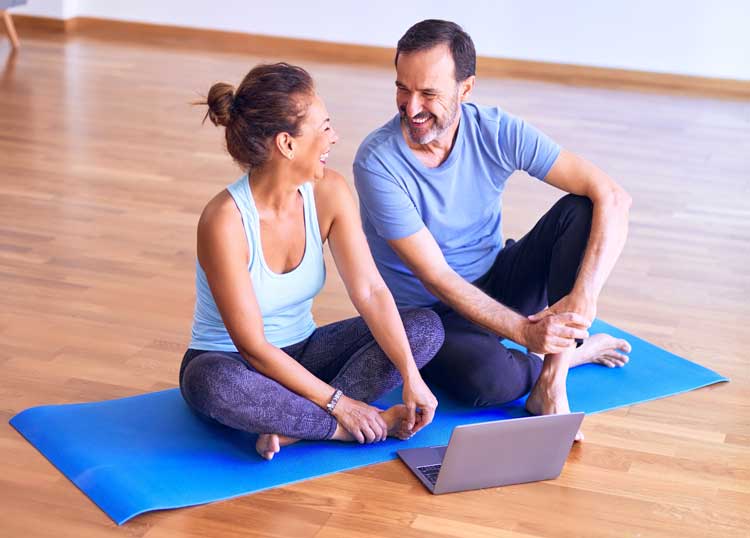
(150, 452)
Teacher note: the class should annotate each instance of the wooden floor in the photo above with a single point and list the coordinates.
(104, 168)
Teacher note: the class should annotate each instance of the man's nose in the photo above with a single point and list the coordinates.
(413, 105)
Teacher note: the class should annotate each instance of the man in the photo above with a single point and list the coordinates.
(430, 183)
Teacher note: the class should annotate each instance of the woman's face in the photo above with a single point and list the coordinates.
(315, 141)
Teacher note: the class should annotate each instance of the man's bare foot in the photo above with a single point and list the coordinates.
(601, 349)
(269, 444)
(549, 399)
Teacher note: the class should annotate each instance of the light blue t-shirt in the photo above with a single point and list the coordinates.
(459, 201)
(285, 300)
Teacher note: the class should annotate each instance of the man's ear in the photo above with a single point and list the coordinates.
(466, 87)
(286, 144)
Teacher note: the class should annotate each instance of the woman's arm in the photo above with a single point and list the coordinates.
(223, 255)
(369, 293)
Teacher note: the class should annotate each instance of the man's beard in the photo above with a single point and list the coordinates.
(438, 128)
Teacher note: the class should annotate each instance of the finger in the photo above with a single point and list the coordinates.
(382, 426)
(426, 414)
(370, 435)
(572, 318)
(358, 436)
(419, 423)
(379, 426)
(606, 362)
(624, 345)
(569, 332)
(540, 315)
(560, 344)
(411, 418)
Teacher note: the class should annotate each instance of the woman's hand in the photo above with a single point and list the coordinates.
(361, 420)
(420, 403)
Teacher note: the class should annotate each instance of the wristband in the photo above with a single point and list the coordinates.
(331, 405)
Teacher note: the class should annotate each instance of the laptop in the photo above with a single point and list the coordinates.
(497, 453)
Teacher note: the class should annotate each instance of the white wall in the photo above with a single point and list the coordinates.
(692, 37)
(55, 9)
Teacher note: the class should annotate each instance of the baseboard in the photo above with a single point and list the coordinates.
(33, 24)
(272, 47)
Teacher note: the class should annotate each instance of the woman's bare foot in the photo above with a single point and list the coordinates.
(601, 349)
(395, 419)
(269, 444)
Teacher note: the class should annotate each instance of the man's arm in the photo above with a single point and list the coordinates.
(609, 228)
(423, 256)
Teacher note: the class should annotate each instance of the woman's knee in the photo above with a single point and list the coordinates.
(425, 332)
(207, 378)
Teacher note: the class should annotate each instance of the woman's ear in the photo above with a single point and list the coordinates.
(286, 145)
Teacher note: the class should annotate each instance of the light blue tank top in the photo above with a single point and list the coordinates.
(285, 300)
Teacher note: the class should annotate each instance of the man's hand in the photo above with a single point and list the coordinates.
(550, 332)
(361, 420)
(416, 394)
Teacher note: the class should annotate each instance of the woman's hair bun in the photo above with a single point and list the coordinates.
(220, 99)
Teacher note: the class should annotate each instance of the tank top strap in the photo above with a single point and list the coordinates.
(243, 199)
(311, 215)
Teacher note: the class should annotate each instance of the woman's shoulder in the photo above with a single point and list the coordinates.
(220, 219)
(332, 196)
(331, 182)
(219, 209)
(331, 191)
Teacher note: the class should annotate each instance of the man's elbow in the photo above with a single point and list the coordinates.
(614, 197)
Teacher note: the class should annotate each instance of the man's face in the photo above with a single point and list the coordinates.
(427, 94)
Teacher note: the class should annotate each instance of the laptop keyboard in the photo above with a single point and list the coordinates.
(430, 472)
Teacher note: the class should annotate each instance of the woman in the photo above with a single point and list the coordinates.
(256, 361)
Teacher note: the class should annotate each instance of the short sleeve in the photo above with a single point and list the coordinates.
(526, 148)
(386, 204)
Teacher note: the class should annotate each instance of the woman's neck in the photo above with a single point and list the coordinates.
(274, 187)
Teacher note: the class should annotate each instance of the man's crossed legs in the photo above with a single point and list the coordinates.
(527, 275)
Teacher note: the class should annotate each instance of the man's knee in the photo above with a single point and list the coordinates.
(579, 207)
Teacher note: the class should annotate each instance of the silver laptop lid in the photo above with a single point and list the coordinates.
(505, 452)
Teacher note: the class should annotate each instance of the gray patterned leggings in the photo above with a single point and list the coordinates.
(224, 387)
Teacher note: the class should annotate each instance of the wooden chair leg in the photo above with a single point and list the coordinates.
(11, 29)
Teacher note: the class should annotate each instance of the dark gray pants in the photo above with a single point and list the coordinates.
(224, 387)
(526, 276)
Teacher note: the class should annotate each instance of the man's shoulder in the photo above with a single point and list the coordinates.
(378, 146)
(484, 117)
